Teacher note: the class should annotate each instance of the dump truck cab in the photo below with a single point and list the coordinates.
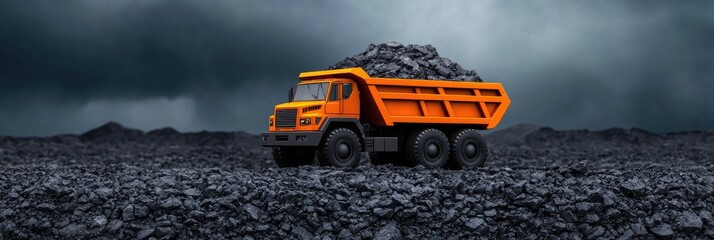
(313, 101)
(312, 105)
(334, 115)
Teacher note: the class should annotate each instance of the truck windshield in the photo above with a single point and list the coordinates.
(310, 92)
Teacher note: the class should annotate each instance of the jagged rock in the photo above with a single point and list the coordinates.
(192, 192)
(164, 232)
(141, 211)
(591, 218)
(583, 207)
(663, 231)
(115, 225)
(73, 230)
(580, 168)
(388, 232)
(633, 187)
(689, 222)
(490, 213)
(528, 201)
(99, 221)
(301, 233)
(167, 181)
(171, 203)
(638, 229)
(7, 213)
(568, 216)
(253, 211)
(704, 214)
(145, 233)
(128, 213)
(476, 224)
(104, 192)
(597, 232)
(384, 212)
(48, 207)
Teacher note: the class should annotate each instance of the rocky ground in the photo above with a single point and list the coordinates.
(117, 182)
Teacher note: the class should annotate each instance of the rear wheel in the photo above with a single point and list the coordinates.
(468, 149)
(293, 156)
(340, 148)
(428, 147)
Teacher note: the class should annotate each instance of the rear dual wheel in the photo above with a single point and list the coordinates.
(428, 147)
(468, 149)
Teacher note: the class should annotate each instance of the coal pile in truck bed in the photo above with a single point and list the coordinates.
(163, 184)
(394, 60)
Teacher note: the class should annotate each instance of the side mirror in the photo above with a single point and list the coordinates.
(290, 94)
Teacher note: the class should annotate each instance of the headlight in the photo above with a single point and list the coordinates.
(305, 121)
(270, 122)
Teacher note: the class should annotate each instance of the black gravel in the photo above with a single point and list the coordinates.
(115, 182)
(395, 60)
(130, 202)
(173, 186)
(161, 148)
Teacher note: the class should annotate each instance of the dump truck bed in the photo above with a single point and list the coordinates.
(390, 101)
(437, 102)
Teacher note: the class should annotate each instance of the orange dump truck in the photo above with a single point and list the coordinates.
(336, 114)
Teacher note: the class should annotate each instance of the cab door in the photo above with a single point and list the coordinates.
(349, 99)
(334, 102)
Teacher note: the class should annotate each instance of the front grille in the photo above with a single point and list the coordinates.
(285, 117)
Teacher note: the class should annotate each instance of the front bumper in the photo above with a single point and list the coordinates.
(290, 139)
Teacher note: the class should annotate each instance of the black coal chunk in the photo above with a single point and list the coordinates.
(633, 187)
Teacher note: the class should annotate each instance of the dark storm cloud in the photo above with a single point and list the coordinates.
(146, 47)
(651, 67)
(68, 57)
(221, 65)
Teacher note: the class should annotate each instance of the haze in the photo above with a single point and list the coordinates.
(68, 66)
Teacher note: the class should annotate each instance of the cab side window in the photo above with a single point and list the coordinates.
(346, 90)
(333, 92)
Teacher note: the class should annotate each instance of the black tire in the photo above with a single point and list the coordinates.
(383, 158)
(468, 149)
(428, 147)
(340, 148)
(293, 156)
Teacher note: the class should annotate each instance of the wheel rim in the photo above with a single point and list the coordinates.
(343, 151)
(470, 151)
(432, 150)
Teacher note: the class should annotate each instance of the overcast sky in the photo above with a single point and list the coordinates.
(68, 66)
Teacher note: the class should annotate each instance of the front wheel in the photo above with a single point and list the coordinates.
(341, 148)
